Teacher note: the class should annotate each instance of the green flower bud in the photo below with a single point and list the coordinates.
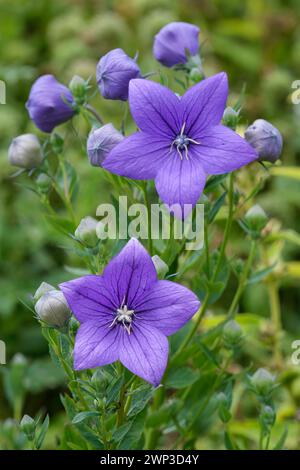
(256, 218)
(25, 151)
(263, 382)
(161, 267)
(43, 289)
(232, 334)
(196, 75)
(268, 416)
(43, 182)
(28, 427)
(79, 87)
(86, 231)
(52, 309)
(230, 117)
(57, 143)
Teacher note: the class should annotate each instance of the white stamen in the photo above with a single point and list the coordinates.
(123, 316)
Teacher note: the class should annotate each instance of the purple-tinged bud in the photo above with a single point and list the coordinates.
(174, 41)
(52, 309)
(25, 151)
(43, 289)
(86, 231)
(50, 103)
(265, 139)
(263, 382)
(161, 267)
(28, 427)
(101, 141)
(114, 72)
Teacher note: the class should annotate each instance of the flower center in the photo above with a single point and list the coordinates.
(182, 141)
(124, 316)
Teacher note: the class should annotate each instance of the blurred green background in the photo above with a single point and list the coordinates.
(256, 41)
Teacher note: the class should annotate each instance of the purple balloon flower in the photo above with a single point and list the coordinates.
(127, 313)
(114, 72)
(50, 103)
(173, 41)
(181, 140)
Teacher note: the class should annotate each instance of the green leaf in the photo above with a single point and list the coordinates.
(260, 275)
(83, 415)
(282, 439)
(181, 378)
(134, 434)
(214, 181)
(228, 442)
(216, 207)
(114, 390)
(42, 433)
(121, 432)
(140, 400)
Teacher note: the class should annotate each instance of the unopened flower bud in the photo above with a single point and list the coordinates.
(86, 231)
(195, 74)
(161, 267)
(79, 87)
(256, 218)
(52, 309)
(263, 382)
(50, 103)
(268, 416)
(114, 72)
(25, 151)
(230, 117)
(100, 143)
(265, 139)
(232, 334)
(43, 289)
(28, 427)
(43, 182)
(175, 42)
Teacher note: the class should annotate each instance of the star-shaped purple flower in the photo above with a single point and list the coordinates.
(127, 313)
(180, 141)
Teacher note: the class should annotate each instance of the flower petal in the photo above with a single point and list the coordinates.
(180, 182)
(167, 307)
(139, 156)
(96, 345)
(130, 274)
(89, 298)
(204, 104)
(145, 353)
(155, 108)
(222, 150)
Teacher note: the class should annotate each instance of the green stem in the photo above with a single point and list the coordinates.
(66, 197)
(95, 113)
(276, 319)
(148, 205)
(243, 280)
(227, 227)
(152, 435)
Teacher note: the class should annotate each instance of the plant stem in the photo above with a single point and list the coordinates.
(66, 197)
(276, 319)
(95, 113)
(243, 280)
(227, 227)
(148, 205)
(152, 435)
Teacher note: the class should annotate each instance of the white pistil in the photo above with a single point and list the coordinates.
(182, 142)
